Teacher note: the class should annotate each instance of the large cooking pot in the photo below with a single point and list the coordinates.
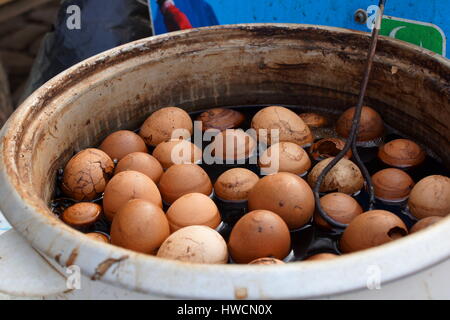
(210, 67)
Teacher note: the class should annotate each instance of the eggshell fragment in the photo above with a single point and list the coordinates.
(82, 214)
(193, 209)
(161, 125)
(285, 194)
(177, 152)
(141, 162)
(86, 174)
(328, 147)
(289, 125)
(181, 179)
(371, 126)
(140, 226)
(371, 229)
(235, 184)
(392, 184)
(338, 206)
(344, 177)
(259, 234)
(401, 153)
(430, 197)
(120, 143)
(314, 120)
(284, 157)
(128, 185)
(195, 244)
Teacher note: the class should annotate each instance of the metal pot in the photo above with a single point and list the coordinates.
(204, 68)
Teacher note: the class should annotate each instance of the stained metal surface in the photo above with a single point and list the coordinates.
(205, 68)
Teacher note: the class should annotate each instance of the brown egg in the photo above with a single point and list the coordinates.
(344, 177)
(284, 157)
(140, 226)
(327, 148)
(177, 152)
(195, 244)
(259, 234)
(82, 214)
(181, 179)
(120, 143)
(425, 223)
(99, 237)
(371, 229)
(220, 119)
(233, 144)
(86, 174)
(128, 185)
(166, 124)
(314, 120)
(392, 184)
(235, 184)
(430, 197)
(340, 207)
(143, 163)
(193, 209)
(401, 153)
(371, 125)
(287, 195)
(291, 127)
(322, 256)
(266, 261)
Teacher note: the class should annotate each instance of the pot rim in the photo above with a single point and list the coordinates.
(149, 274)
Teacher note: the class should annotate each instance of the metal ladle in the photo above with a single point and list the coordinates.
(351, 140)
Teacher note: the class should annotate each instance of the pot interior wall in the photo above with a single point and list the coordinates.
(226, 66)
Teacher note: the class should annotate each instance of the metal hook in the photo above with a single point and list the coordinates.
(351, 141)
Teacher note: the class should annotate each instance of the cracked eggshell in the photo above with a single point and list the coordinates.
(86, 174)
(160, 126)
(82, 214)
(233, 144)
(173, 152)
(314, 120)
(371, 126)
(401, 153)
(143, 163)
(140, 226)
(284, 157)
(285, 194)
(128, 185)
(344, 177)
(267, 261)
(193, 209)
(120, 143)
(195, 244)
(430, 197)
(425, 223)
(328, 147)
(371, 229)
(220, 119)
(235, 184)
(340, 207)
(181, 179)
(259, 234)
(291, 127)
(392, 184)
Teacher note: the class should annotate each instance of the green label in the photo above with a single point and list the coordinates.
(422, 34)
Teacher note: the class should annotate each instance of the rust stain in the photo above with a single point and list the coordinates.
(104, 266)
(73, 256)
(240, 293)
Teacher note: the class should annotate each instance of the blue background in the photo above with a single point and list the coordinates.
(337, 13)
